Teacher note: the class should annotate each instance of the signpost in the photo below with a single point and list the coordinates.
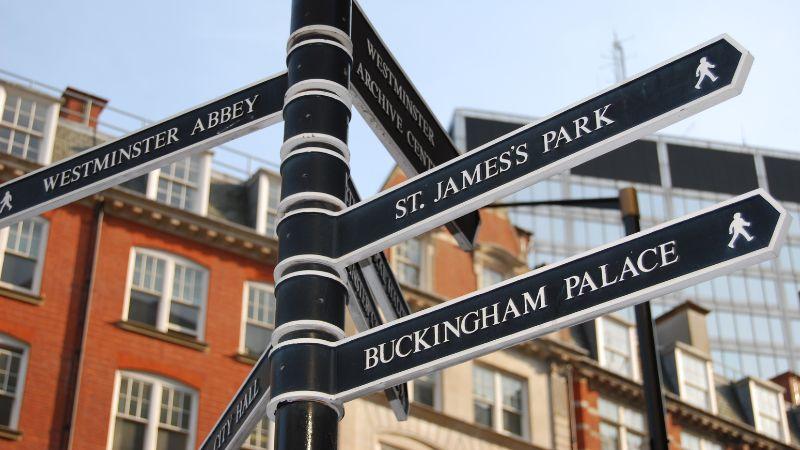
(623, 113)
(734, 234)
(213, 123)
(329, 254)
(398, 115)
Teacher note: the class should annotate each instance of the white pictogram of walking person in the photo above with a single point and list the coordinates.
(737, 228)
(5, 202)
(703, 71)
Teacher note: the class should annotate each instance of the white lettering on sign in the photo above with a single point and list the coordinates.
(111, 159)
(580, 127)
(225, 114)
(645, 262)
(464, 325)
(482, 171)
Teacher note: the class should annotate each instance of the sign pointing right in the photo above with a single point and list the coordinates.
(677, 88)
(734, 234)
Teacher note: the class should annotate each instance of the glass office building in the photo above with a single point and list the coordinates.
(754, 324)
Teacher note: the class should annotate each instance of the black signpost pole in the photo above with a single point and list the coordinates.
(310, 294)
(648, 343)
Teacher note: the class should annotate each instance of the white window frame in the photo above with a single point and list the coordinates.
(481, 278)
(705, 444)
(245, 320)
(270, 435)
(424, 266)
(784, 425)
(37, 274)
(23, 369)
(497, 405)
(632, 344)
(267, 182)
(437, 391)
(154, 413)
(682, 381)
(162, 317)
(622, 427)
(51, 120)
(203, 184)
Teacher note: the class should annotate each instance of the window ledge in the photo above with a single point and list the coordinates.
(9, 434)
(21, 296)
(160, 335)
(246, 358)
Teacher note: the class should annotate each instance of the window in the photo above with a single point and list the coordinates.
(273, 198)
(152, 413)
(616, 344)
(425, 390)
(621, 428)
(24, 126)
(490, 277)
(768, 411)
(261, 437)
(23, 255)
(259, 317)
(408, 262)
(182, 184)
(696, 384)
(167, 292)
(691, 441)
(499, 401)
(13, 362)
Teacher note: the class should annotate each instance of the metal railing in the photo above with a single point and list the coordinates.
(116, 122)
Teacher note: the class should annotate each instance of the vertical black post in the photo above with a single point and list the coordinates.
(648, 344)
(314, 168)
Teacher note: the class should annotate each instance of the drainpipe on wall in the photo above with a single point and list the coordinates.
(77, 372)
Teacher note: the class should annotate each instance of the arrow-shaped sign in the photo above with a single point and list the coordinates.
(740, 232)
(247, 407)
(684, 85)
(251, 108)
(399, 116)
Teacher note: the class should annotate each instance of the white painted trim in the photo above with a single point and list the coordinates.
(158, 383)
(297, 325)
(305, 259)
(21, 374)
(289, 145)
(141, 169)
(314, 396)
(38, 270)
(326, 151)
(325, 30)
(286, 202)
(49, 137)
(631, 299)
(334, 43)
(318, 85)
(346, 101)
(317, 273)
(245, 305)
(164, 302)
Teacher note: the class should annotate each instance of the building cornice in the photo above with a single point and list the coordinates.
(122, 203)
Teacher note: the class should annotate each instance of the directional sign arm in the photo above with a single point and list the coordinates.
(394, 109)
(106, 165)
(601, 123)
(631, 270)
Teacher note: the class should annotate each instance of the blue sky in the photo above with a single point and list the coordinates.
(156, 58)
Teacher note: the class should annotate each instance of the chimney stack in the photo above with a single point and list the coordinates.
(81, 107)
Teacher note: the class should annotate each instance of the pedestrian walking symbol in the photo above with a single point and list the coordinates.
(703, 71)
(737, 228)
(6, 202)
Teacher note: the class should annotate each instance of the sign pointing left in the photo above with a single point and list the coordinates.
(235, 114)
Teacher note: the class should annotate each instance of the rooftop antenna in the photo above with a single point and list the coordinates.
(618, 54)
